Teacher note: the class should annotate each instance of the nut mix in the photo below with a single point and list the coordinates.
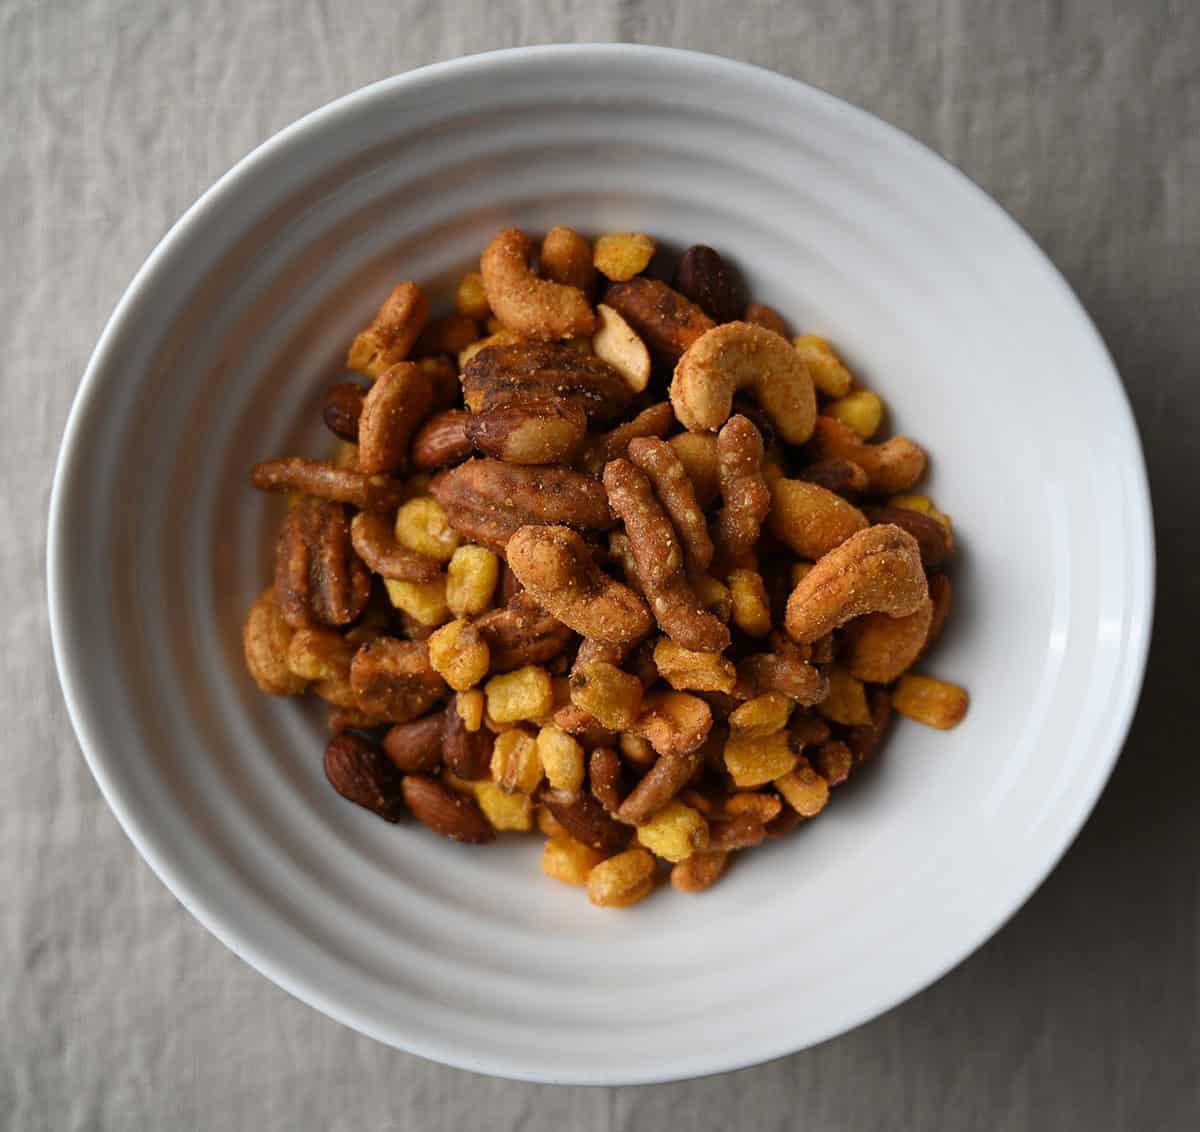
(607, 557)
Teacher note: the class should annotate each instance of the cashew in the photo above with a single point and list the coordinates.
(810, 519)
(524, 303)
(891, 467)
(566, 257)
(875, 571)
(879, 649)
(740, 355)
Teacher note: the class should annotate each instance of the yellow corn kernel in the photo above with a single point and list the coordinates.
(504, 811)
(847, 699)
(674, 833)
(829, 375)
(924, 505)
(621, 880)
(800, 570)
(686, 670)
(762, 715)
(459, 655)
(713, 595)
(426, 601)
(470, 298)
(751, 609)
(320, 654)
(697, 452)
(636, 751)
(860, 410)
(421, 526)
(471, 580)
(758, 759)
(561, 757)
(803, 789)
(550, 825)
(936, 703)
(622, 255)
(524, 694)
(469, 706)
(515, 766)
(569, 861)
(611, 696)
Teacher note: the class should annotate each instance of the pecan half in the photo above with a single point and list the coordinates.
(393, 679)
(318, 577)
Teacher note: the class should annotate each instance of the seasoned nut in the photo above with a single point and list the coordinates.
(524, 303)
(763, 806)
(605, 778)
(673, 723)
(621, 880)
(935, 703)
(486, 501)
(343, 407)
(829, 375)
(942, 596)
(328, 481)
(442, 440)
(803, 789)
(878, 648)
(663, 318)
(781, 672)
(685, 670)
(318, 577)
(842, 477)
(562, 759)
(516, 768)
(470, 299)
(661, 783)
(833, 762)
(810, 519)
(416, 747)
(566, 257)
(891, 467)
(374, 539)
(847, 699)
(443, 380)
(504, 811)
(612, 697)
(763, 315)
(459, 654)
(266, 637)
(674, 833)
(703, 277)
(471, 580)
(466, 749)
(622, 255)
(393, 679)
(697, 451)
(743, 488)
(934, 538)
(617, 343)
(657, 420)
(636, 752)
(523, 694)
(741, 831)
(740, 355)
(393, 409)
(568, 861)
(424, 602)
(751, 609)
(657, 459)
(359, 772)
(445, 811)
(446, 335)
(585, 820)
(532, 432)
(338, 719)
(421, 526)
(522, 633)
(699, 871)
(389, 336)
(860, 410)
(758, 759)
(763, 715)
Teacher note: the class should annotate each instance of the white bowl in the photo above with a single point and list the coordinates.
(216, 357)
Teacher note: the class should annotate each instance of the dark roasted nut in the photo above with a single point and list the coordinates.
(586, 820)
(744, 491)
(775, 672)
(762, 315)
(318, 577)
(467, 753)
(358, 771)
(842, 477)
(664, 780)
(416, 746)
(703, 277)
(393, 410)
(343, 407)
(445, 812)
(891, 467)
(544, 371)
(604, 777)
(532, 432)
(667, 321)
(443, 380)
(833, 762)
(328, 481)
(441, 441)
(374, 539)
(662, 466)
(934, 539)
(522, 633)
(488, 500)
(393, 679)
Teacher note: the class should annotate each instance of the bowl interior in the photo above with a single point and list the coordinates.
(218, 356)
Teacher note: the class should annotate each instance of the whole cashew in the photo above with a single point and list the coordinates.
(875, 571)
(740, 355)
(879, 649)
(526, 304)
(891, 467)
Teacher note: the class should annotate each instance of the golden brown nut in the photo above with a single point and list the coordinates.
(891, 467)
(459, 655)
(523, 694)
(389, 336)
(522, 633)
(755, 760)
(879, 648)
(803, 789)
(318, 577)
(860, 410)
(416, 746)
(266, 637)
(374, 539)
(516, 768)
(446, 335)
(699, 871)
(829, 375)
(620, 256)
(765, 316)
(328, 481)
(842, 477)
(471, 577)
(810, 519)
(470, 298)
(691, 671)
(617, 343)
(393, 679)
(605, 778)
(665, 779)
(524, 303)
(657, 420)
(673, 723)
(566, 860)
(674, 833)
(743, 488)
(663, 318)
(697, 451)
(612, 697)
(566, 257)
(657, 459)
(833, 761)
(532, 432)
(781, 672)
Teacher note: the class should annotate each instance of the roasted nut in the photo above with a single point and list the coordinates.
(622, 255)
(470, 299)
(713, 596)
(389, 336)
(568, 861)
(740, 355)
(466, 750)
(318, 577)
(605, 778)
(328, 481)
(373, 537)
(756, 760)
(525, 693)
(487, 500)
(343, 407)
(445, 811)
(524, 303)
(516, 768)
(807, 728)
(833, 762)
(416, 747)
(781, 672)
(741, 831)
(842, 477)
(621, 880)
(442, 440)
(659, 561)
(762, 315)
(877, 570)
(847, 699)
(942, 596)
(612, 697)
(654, 421)
(561, 758)
(763, 715)
(661, 783)
(446, 335)
(879, 649)
(685, 670)
(762, 806)
(935, 703)
(674, 833)
(743, 488)
(617, 343)
(804, 789)
(566, 257)
(359, 772)
(393, 679)
(891, 467)
(663, 318)
(860, 410)
(556, 568)
(657, 459)
(809, 519)
(829, 375)
(751, 609)
(459, 654)
(699, 871)
(935, 540)
(533, 432)
(703, 277)
(471, 580)
(421, 526)
(586, 821)
(424, 602)
(266, 637)
(697, 452)
(673, 723)
(522, 633)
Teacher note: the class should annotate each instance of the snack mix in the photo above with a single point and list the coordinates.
(637, 573)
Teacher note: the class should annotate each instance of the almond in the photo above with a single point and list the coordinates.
(358, 771)
(445, 812)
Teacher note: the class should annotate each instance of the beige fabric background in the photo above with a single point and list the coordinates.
(121, 1012)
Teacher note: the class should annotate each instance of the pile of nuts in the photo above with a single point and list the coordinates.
(636, 572)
